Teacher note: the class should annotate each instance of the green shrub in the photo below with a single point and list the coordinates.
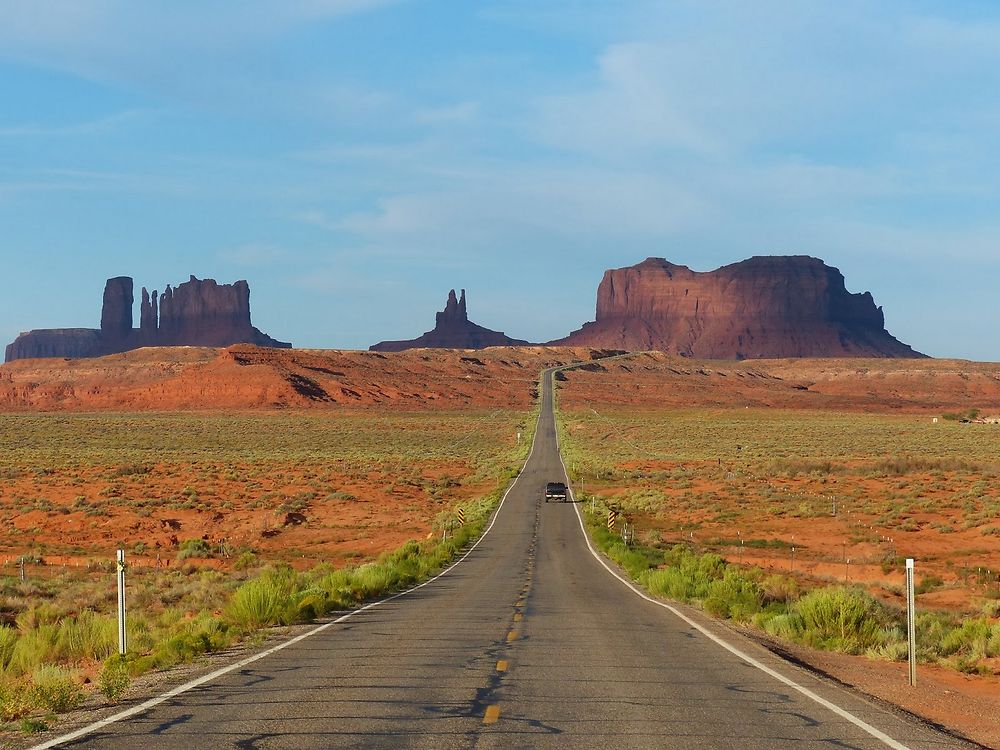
(894, 650)
(33, 725)
(991, 608)
(779, 589)
(87, 636)
(56, 688)
(245, 561)
(669, 582)
(114, 679)
(733, 596)
(969, 638)
(15, 699)
(928, 583)
(786, 625)
(194, 548)
(842, 619)
(260, 602)
(34, 647)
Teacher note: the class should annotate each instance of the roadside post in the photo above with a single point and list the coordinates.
(461, 515)
(22, 567)
(911, 621)
(122, 643)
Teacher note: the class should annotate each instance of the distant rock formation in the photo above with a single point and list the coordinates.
(116, 312)
(453, 330)
(196, 313)
(764, 307)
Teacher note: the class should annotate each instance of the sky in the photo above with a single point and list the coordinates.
(356, 159)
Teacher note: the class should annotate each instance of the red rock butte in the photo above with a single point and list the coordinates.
(453, 330)
(764, 307)
(195, 313)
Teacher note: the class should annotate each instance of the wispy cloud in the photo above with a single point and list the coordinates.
(97, 126)
(632, 109)
(205, 52)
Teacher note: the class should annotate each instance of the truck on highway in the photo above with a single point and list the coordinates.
(556, 491)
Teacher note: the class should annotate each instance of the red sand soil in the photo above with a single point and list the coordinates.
(382, 515)
(247, 377)
(654, 380)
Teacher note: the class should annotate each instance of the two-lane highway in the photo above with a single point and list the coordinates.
(529, 642)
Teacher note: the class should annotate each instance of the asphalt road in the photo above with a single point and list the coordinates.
(528, 643)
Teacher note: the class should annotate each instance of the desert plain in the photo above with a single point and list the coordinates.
(212, 467)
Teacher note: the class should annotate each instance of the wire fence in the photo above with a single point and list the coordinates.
(15, 568)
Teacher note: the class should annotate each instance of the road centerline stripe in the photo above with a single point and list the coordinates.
(787, 681)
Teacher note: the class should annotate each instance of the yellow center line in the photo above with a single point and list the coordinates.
(518, 617)
(502, 665)
(511, 636)
(492, 714)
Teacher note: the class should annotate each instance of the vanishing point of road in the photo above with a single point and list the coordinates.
(529, 642)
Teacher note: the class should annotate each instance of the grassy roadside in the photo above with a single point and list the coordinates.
(845, 619)
(54, 656)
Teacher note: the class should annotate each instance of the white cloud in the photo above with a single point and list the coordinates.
(632, 109)
(519, 209)
(201, 51)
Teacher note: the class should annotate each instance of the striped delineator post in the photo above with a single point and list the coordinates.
(461, 515)
(612, 518)
(911, 621)
(122, 641)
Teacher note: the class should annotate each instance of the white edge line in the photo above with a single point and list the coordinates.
(198, 682)
(842, 713)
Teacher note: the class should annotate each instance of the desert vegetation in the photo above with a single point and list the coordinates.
(798, 522)
(232, 524)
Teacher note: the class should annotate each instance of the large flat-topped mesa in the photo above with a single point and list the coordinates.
(199, 312)
(764, 307)
(453, 330)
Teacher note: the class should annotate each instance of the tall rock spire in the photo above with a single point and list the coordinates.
(116, 312)
(454, 330)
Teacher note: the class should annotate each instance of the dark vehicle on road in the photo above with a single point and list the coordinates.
(556, 491)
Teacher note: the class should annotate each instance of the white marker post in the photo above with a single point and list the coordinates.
(911, 621)
(122, 643)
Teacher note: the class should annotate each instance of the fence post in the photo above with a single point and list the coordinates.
(911, 621)
(122, 642)
(22, 567)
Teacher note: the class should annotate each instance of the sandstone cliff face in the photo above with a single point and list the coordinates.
(196, 313)
(453, 330)
(54, 342)
(764, 307)
(204, 313)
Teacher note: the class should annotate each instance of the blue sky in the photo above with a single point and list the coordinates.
(355, 159)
